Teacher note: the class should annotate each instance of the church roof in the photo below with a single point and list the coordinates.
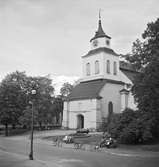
(127, 66)
(100, 33)
(101, 49)
(130, 74)
(128, 70)
(89, 89)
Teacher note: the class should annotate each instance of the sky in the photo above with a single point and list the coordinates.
(45, 37)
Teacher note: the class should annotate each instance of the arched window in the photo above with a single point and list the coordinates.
(115, 68)
(110, 108)
(96, 67)
(88, 71)
(110, 111)
(108, 66)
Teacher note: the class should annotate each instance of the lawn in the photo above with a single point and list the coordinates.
(93, 138)
(88, 139)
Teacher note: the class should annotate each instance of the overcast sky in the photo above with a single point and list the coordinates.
(49, 36)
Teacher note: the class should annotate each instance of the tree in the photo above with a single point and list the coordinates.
(145, 57)
(15, 96)
(131, 127)
(145, 51)
(58, 108)
(12, 98)
(43, 100)
(66, 89)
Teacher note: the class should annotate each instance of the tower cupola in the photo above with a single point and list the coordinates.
(100, 39)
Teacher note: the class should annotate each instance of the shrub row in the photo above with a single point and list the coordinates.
(131, 127)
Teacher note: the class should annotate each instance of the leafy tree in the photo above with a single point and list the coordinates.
(147, 50)
(145, 57)
(15, 95)
(12, 98)
(58, 108)
(131, 127)
(42, 100)
(66, 89)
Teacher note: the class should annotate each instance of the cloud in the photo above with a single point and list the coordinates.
(50, 36)
(58, 81)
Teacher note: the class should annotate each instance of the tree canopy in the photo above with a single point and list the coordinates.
(145, 57)
(66, 89)
(16, 95)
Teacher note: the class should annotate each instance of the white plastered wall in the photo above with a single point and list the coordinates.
(111, 93)
(85, 107)
(131, 102)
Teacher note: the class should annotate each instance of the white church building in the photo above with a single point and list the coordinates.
(103, 89)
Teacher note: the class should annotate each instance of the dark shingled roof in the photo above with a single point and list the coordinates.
(127, 66)
(130, 74)
(128, 70)
(100, 33)
(89, 89)
(101, 49)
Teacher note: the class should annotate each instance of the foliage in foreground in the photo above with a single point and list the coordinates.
(131, 127)
(142, 125)
(16, 101)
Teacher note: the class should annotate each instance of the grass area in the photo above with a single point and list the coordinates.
(97, 138)
(87, 139)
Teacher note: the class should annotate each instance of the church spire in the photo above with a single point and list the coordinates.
(100, 32)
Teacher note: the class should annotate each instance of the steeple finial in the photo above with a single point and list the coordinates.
(99, 14)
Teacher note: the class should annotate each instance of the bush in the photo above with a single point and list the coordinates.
(131, 127)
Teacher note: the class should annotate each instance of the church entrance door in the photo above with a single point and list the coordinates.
(80, 121)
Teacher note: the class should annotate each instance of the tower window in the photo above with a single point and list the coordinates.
(115, 68)
(95, 43)
(107, 42)
(96, 67)
(88, 71)
(108, 66)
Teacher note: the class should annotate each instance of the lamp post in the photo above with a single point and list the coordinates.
(33, 92)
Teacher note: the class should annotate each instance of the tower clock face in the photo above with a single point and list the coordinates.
(95, 43)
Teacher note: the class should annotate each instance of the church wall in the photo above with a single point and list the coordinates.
(65, 120)
(85, 107)
(111, 93)
(131, 102)
(99, 114)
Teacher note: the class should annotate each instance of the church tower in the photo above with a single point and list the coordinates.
(101, 62)
(103, 88)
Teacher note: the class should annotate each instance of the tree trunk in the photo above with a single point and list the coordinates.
(13, 126)
(40, 125)
(6, 129)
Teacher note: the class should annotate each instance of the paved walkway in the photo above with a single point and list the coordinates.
(8, 159)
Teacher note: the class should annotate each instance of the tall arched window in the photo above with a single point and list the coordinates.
(110, 111)
(108, 66)
(115, 68)
(96, 67)
(110, 108)
(88, 71)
